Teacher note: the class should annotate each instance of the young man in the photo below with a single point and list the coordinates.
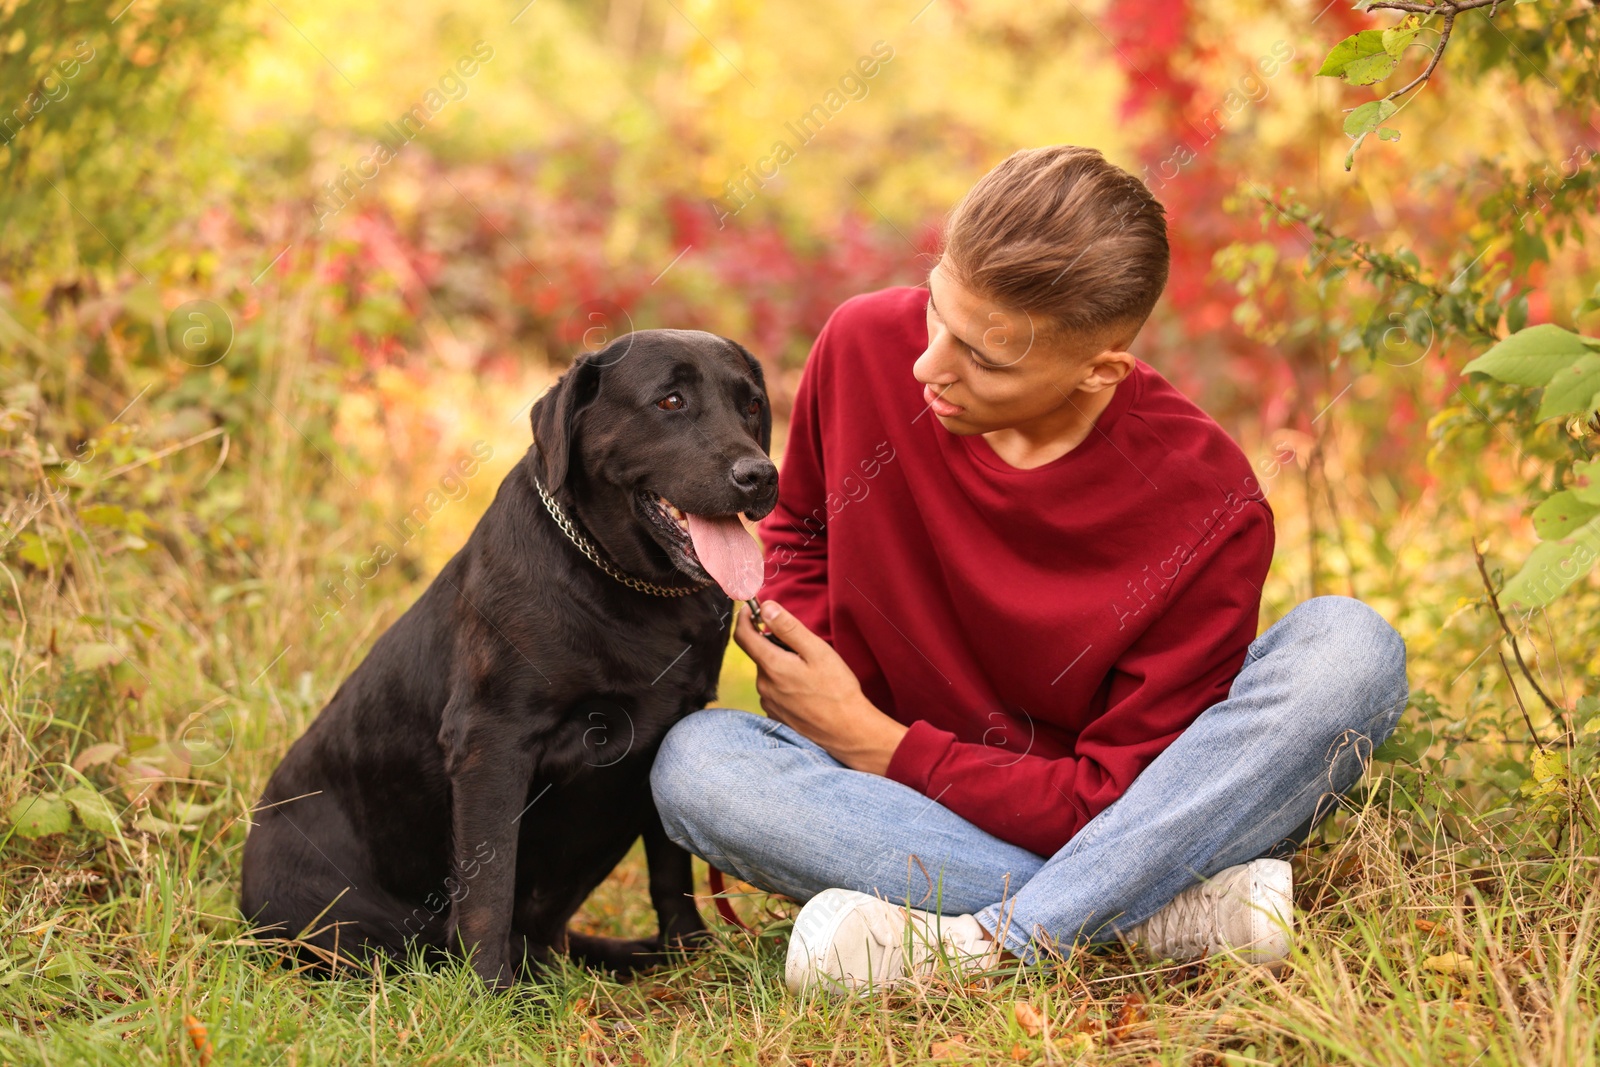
(1021, 576)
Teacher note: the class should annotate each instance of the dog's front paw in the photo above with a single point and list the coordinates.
(684, 940)
(680, 927)
(498, 975)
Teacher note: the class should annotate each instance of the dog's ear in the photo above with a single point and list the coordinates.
(555, 415)
(761, 381)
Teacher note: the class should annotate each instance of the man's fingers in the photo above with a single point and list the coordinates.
(746, 637)
(790, 630)
(764, 653)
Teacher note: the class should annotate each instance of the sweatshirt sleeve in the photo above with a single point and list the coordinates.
(795, 536)
(1182, 664)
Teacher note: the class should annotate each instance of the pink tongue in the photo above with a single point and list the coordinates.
(728, 553)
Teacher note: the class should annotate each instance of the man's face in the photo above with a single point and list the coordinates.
(990, 368)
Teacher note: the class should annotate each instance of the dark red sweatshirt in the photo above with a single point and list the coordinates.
(1044, 633)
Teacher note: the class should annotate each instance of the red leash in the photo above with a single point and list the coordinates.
(724, 905)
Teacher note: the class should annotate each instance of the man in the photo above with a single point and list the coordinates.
(1021, 574)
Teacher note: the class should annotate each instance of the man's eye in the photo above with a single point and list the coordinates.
(670, 402)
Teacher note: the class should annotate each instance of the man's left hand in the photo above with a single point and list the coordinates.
(813, 691)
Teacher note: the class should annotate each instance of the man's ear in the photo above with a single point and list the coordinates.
(761, 383)
(555, 416)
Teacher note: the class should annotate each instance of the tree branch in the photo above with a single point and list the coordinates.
(1449, 9)
(1438, 54)
(1516, 650)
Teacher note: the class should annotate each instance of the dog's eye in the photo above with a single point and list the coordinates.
(670, 402)
(755, 405)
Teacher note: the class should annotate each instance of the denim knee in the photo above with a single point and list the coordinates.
(1352, 655)
(685, 779)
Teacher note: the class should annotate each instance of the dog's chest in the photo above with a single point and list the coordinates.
(633, 683)
(679, 653)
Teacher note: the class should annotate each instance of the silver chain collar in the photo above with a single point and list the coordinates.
(587, 547)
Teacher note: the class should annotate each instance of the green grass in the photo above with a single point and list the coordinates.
(107, 972)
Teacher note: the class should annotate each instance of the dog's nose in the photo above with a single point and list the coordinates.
(754, 474)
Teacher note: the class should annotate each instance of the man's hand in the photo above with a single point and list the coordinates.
(813, 691)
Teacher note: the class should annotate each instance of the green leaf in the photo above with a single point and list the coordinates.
(1574, 390)
(1397, 38)
(40, 815)
(1517, 313)
(1530, 357)
(1369, 116)
(1369, 69)
(150, 824)
(1586, 482)
(1561, 514)
(95, 654)
(189, 814)
(1552, 568)
(37, 551)
(95, 810)
(1359, 46)
(104, 515)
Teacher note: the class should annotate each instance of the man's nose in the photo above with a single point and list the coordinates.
(929, 368)
(754, 474)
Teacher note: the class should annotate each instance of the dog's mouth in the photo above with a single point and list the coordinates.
(715, 547)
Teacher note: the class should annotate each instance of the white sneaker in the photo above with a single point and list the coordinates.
(849, 941)
(1245, 911)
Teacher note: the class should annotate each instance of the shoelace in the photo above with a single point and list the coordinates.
(1187, 926)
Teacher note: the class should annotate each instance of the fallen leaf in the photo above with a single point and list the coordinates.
(1019, 1052)
(95, 811)
(40, 816)
(149, 824)
(1450, 963)
(1028, 1018)
(1131, 1012)
(97, 754)
(944, 1050)
(93, 655)
(197, 1036)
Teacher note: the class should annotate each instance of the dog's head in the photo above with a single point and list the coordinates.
(673, 427)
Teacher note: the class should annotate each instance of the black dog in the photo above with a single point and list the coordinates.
(487, 764)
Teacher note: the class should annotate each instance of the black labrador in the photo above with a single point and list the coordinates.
(487, 764)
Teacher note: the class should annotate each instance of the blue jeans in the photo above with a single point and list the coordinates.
(1251, 777)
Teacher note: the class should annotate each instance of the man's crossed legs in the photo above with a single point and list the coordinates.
(1249, 778)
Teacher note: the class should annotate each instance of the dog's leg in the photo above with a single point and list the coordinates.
(671, 887)
(486, 757)
(619, 954)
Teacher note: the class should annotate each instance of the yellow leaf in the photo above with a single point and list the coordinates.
(1549, 764)
(1450, 963)
(1028, 1018)
(95, 654)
